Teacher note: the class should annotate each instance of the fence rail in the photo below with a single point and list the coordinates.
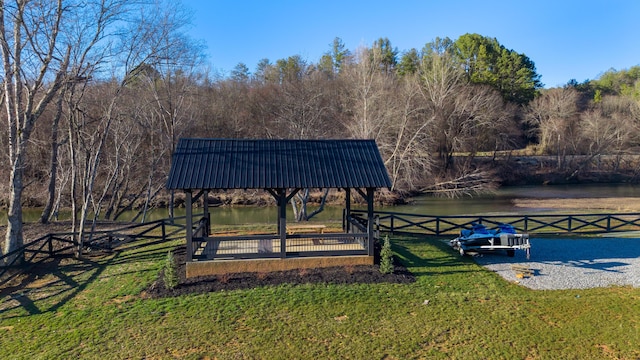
(64, 244)
(542, 224)
(67, 243)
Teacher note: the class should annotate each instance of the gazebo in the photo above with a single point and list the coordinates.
(282, 168)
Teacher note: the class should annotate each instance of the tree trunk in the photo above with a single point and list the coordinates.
(53, 169)
(74, 181)
(14, 238)
(51, 191)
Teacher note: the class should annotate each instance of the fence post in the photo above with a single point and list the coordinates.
(609, 223)
(50, 239)
(393, 218)
(526, 223)
(164, 231)
(437, 225)
(569, 223)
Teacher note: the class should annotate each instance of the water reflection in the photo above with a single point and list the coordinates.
(498, 203)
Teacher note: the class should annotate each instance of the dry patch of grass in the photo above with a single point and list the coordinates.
(625, 204)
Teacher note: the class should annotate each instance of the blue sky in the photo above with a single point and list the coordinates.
(566, 39)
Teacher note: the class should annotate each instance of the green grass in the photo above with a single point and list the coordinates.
(94, 309)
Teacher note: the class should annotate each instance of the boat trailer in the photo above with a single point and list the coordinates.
(481, 239)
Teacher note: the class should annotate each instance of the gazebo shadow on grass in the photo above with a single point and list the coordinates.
(49, 285)
(46, 281)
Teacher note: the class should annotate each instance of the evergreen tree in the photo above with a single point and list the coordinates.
(386, 257)
(409, 63)
(240, 73)
(487, 62)
(388, 55)
(339, 54)
(170, 273)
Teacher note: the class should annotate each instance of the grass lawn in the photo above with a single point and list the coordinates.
(96, 309)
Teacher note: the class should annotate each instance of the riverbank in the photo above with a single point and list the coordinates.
(614, 204)
(506, 169)
(513, 170)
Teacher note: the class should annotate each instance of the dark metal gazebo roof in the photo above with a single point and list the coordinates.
(272, 164)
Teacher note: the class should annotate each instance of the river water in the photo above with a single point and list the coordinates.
(502, 200)
(499, 202)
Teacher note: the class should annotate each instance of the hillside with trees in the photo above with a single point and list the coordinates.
(96, 97)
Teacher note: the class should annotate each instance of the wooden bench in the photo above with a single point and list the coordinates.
(522, 271)
(307, 228)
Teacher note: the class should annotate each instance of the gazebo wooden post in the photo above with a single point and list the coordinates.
(189, 227)
(282, 221)
(370, 239)
(347, 200)
(207, 216)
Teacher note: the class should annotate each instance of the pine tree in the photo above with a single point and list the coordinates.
(170, 272)
(386, 257)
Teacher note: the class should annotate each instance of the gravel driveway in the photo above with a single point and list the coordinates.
(580, 263)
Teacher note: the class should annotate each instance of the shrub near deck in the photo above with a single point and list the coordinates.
(97, 307)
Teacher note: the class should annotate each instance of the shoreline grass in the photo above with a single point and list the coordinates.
(96, 308)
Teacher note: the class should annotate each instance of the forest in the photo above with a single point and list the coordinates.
(96, 95)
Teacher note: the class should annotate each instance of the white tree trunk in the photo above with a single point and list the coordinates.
(14, 239)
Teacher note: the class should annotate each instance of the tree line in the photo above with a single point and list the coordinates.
(96, 95)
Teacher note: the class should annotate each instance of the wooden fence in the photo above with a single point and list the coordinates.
(66, 243)
(63, 244)
(543, 224)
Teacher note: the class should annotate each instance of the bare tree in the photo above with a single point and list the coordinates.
(603, 134)
(226, 109)
(465, 118)
(53, 165)
(304, 112)
(54, 45)
(172, 85)
(34, 64)
(304, 109)
(553, 119)
(370, 96)
(149, 41)
(442, 80)
(406, 144)
(609, 128)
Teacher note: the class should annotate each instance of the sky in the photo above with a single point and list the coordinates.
(566, 39)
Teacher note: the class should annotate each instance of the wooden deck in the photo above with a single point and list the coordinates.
(307, 246)
(228, 249)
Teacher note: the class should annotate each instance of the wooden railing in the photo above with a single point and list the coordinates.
(257, 246)
(66, 243)
(394, 222)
